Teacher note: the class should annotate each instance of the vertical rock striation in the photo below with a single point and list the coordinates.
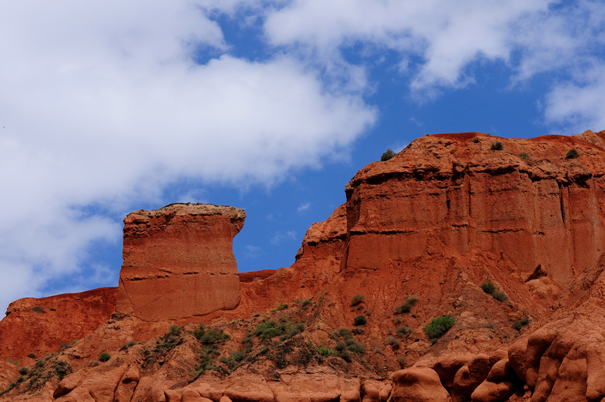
(527, 201)
(179, 262)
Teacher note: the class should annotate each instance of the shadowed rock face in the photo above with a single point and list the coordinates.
(179, 262)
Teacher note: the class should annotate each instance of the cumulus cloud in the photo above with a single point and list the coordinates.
(576, 106)
(103, 105)
(439, 41)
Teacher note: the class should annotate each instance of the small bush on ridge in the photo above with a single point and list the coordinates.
(104, 357)
(439, 326)
(388, 154)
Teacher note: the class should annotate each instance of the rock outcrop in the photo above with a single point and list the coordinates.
(38, 326)
(348, 320)
(179, 262)
(527, 202)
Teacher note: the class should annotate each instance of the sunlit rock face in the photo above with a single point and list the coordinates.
(529, 200)
(179, 262)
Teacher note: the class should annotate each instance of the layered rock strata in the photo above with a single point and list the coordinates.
(179, 262)
(528, 201)
(35, 327)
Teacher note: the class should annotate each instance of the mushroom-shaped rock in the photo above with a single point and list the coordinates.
(179, 262)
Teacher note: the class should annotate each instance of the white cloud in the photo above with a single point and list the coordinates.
(303, 207)
(580, 105)
(103, 105)
(527, 36)
(281, 237)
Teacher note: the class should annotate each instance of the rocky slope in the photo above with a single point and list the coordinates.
(500, 238)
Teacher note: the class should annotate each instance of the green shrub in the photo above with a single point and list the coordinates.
(500, 296)
(128, 345)
(411, 300)
(23, 370)
(104, 357)
(38, 309)
(358, 331)
(388, 154)
(174, 330)
(21, 379)
(233, 360)
(357, 300)
(356, 348)
(325, 351)
(345, 333)
(360, 320)
(439, 326)
(497, 146)
(488, 288)
(211, 337)
(31, 355)
(518, 324)
(39, 363)
(395, 343)
(523, 155)
(53, 309)
(306, 303)
(402, 331)
(281, 307)
(572, 153)
(404, 308)
(402, 361)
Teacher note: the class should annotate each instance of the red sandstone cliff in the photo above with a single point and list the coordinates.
(446, 215)
(179, 262)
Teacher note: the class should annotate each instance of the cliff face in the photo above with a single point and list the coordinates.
(179, 262)
(39, 326)
(453, 193)
(415, 239)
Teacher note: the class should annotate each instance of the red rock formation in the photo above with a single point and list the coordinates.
(453, 192)
(444, 216)
(40, 326)
(178, 262)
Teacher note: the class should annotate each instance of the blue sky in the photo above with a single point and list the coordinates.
(271, 106)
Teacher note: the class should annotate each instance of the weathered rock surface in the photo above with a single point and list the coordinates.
(179, 262)
(40, 326)
(444, 216)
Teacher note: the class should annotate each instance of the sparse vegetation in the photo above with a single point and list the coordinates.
(358, 331)
(174, 330)
(572, 153)
(500, 296)
(438, 327)
(104, 357)
(357, 300)
(23, 370)
(281, 307)
(407, 306)
(234, 359)
(360, 320)
(402, 361)
(524, 155)
(31, 355)
(388, 154)
(402, 331)
(395, 343)
(519, 324)
(128, 345)
(497, 146)
(490, 289)
(38, 309)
